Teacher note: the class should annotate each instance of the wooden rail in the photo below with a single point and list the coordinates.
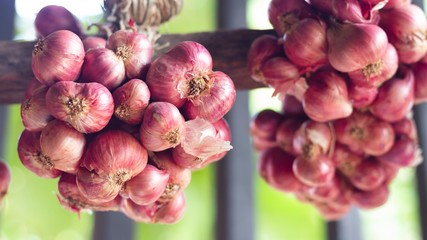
(228, 49)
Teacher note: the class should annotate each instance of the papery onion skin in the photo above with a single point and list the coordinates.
(52, 18)
(184, 159)
(134, 49)
(354, 46)
(374, 1)
(223, 133)
(199, 138)
(34, 113)
(71, 199)
(88, 107)
(32, 157)
(326, 98)
(103, 66)
(58, 57)
(262, 48)
(63, 144)
(395, 98)
(130, 101)
(220, 135)
(396, 3)
(306, 45)
(406, 30)
(358, 11)
(297, 90)
(312, 139)
(185, 62)
(115, 152)
(160, 128)
(217, 103)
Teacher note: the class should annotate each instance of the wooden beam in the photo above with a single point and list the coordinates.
(228, 48)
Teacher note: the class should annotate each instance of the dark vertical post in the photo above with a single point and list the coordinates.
(234, 174)
(347, 228)
(420, 115)
(421, 171)
(7, 27)
(7, 19)
(112, 226)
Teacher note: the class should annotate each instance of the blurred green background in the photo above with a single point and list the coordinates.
(31, 210)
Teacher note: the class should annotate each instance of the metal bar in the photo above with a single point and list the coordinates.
(112, 226)
(347, 228)
(234, 175)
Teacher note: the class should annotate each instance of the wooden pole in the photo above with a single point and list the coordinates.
(234, 176)
(228, 49)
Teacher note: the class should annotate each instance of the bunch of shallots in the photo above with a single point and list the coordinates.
(122, 132)
(349, 73)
